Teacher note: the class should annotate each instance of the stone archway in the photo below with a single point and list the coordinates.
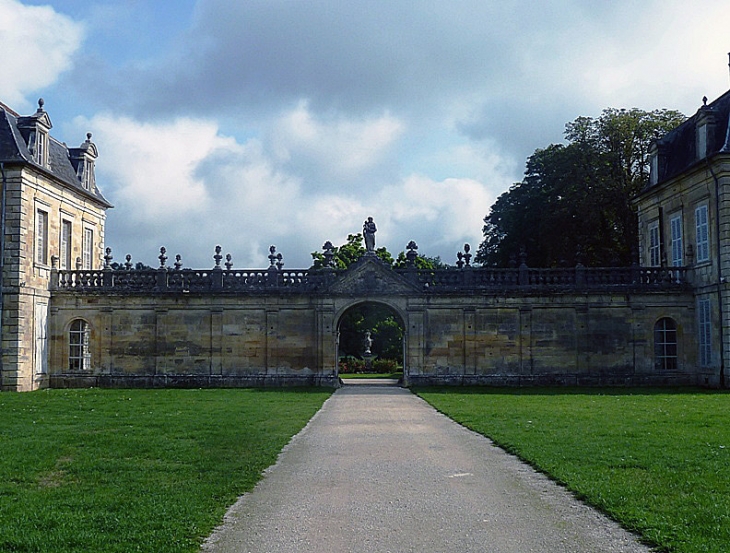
(388, 337)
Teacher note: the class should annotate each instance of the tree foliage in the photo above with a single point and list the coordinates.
(384, 326)
(574, 203)
(352, 250)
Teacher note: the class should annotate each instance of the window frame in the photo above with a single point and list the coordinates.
(654, 245)
(79, 351)
(41, 148)
(704, 329)
(41, 236)
(666, 344)
(87, 177)
(87, 249)
(702, 250)
(676, 240)
(65, 245)
(702, 141)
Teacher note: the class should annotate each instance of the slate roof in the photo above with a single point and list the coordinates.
(14, 150)
(678, 148)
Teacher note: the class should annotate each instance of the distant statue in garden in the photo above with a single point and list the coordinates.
(368, 343)
(368, 231)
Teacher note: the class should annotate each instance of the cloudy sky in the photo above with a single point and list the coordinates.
(260, 122)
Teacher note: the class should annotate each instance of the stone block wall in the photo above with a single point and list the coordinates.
(272, 340)
(25, 280)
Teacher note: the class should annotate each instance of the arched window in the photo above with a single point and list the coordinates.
(665, 344)
(79, 358)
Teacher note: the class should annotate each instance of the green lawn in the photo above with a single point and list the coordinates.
(658, 461)
(135, 470)
(395, 375)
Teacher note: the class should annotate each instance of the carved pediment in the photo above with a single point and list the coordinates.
(371, 277)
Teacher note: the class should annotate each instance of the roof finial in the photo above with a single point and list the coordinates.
(88, 137)
(704, 101)
(41, 103)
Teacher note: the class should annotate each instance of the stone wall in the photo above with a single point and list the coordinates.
(271, 340)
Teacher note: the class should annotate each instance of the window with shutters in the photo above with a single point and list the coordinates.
(41, 237)
(702, 234)
(654, 249)
(65, 253)
(675, 227)
(87, 249)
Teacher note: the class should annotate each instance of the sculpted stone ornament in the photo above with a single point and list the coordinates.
(368, 232)
(368, 343)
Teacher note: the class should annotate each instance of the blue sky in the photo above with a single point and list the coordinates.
(263, 122)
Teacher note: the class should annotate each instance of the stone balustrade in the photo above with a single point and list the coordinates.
(438, 281)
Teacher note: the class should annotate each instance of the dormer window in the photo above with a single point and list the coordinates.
(35, 129)
(654, 168)
(705, 124)
(83, 159)
(87, 178)
(702, 141)
(41, 148)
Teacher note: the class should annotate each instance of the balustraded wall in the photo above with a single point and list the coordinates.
(463, 326)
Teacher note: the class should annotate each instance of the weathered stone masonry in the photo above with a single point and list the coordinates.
(463, 326)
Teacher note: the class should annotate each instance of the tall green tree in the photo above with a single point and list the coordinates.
(574, 203)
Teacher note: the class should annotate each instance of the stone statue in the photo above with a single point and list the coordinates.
(368, 343)
(368, 231)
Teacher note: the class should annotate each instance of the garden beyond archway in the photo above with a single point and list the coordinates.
(371, 340)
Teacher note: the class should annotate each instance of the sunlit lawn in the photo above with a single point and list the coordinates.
(371, 375)
(657, 461)
(135, 470)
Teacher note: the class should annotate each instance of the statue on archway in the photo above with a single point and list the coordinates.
(368, 232)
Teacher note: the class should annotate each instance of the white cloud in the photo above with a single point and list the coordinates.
(419, 118)
(439, 215)
(184, 185)
(333, 149)
(37, 45)
(154, 166)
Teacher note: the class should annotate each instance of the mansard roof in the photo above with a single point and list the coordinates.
(678, 149)
(14, 150)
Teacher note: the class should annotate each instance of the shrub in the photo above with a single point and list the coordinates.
(382, 366)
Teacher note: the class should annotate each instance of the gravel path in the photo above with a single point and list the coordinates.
(379, 470)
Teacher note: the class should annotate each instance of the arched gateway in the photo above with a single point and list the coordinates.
(276, 327)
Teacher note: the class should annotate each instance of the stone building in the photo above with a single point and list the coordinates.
(50, 210)
(684, 221)
(70, 319)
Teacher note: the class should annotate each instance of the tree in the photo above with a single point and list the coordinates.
(574, 203)
(384, 326)
(352, 250)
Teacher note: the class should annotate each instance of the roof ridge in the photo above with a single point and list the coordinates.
(10, 110)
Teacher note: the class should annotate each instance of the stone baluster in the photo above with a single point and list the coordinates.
(217, 275)
(108, 277)
(161, 277)
(411, 254)
(524, 278)
(53, 284)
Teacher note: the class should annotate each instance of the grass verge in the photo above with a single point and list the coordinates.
(657, 461)
(135, 470)
(395, 375)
